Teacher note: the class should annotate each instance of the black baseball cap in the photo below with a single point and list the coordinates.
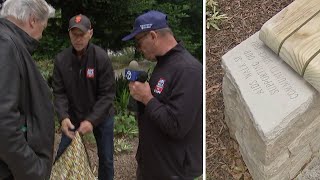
(80, 21)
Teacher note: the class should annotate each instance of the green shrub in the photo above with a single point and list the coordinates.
(54, 39)
(125, 124)
(122, 94)
(50, 45)
(122, 101)
(46, 69)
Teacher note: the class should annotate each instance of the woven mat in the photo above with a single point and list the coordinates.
(73, 164)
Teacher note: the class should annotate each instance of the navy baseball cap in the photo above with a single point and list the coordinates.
(148, 21)
(80, 21)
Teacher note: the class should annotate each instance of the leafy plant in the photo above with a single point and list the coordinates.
(122, 94)
(122, 100)
(213, 17)
(185, 20)
(46, 69)
(121, 145)
(54, 39)
(125, 125)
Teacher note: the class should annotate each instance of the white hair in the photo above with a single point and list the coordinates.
(23, 9)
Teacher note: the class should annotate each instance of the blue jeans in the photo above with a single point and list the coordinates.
(103, 134)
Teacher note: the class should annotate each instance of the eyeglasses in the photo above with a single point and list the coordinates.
(138, 40)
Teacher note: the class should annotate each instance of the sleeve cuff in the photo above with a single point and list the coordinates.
(62, 117)
(93, 120)
(151, 105)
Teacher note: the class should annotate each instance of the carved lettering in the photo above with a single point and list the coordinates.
(254, 85)
(263, 76)
(249, 55)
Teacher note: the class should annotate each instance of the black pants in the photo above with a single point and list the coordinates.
(138, 174)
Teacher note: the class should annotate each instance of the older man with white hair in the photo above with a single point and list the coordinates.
(26, 111)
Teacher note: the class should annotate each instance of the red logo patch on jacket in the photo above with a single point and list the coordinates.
(160, 85)
(90, 73)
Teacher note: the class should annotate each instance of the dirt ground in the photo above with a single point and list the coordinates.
(245, 17)
(124, 163)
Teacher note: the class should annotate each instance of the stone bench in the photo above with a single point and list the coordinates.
(270, 110)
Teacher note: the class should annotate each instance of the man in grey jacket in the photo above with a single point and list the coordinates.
(26, 111)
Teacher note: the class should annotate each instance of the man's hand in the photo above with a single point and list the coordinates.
(85, 127)
(140, 91)
(66, 128)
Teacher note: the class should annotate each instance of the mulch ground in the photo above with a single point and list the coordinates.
(125, 164)
(245, 17)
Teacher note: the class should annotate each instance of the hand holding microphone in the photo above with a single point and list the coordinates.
(140, 91)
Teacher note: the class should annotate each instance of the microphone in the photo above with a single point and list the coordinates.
(133, 73)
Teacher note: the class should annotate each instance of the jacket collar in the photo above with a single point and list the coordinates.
(162, 59)
(27, 41)
(85, 51)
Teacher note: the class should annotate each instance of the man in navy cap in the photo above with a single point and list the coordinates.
(170, 109)
(84, 89)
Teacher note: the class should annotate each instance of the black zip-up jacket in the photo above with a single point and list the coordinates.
(84, 88)
(25, 99)
(170, 125)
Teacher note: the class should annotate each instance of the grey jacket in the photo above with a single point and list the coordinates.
(24, 101)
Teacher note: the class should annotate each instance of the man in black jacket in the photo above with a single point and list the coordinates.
(170, 113)
(84, 89)
(26, 111)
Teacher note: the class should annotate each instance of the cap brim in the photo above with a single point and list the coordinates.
(128, 37)
(132, 35)
(80, 26)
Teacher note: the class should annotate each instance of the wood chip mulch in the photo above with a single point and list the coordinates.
(245, 17)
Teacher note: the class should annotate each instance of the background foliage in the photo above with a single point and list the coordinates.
(112, 20)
